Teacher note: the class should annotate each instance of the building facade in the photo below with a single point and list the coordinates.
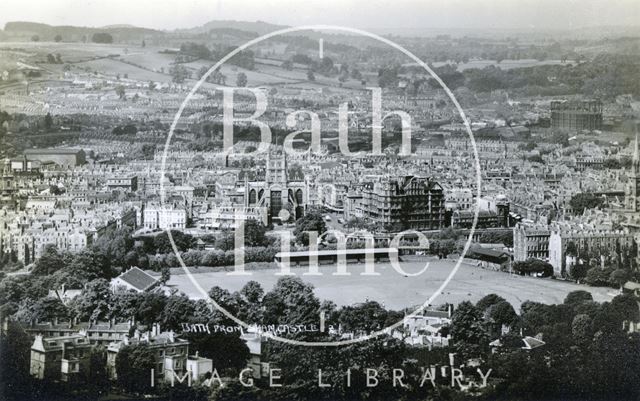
(404, 203)
(576, 115)
(278, 191)
(65, 358)
(530, 241)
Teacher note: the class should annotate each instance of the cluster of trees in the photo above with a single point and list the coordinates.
(533, 266)
(585, 200)
(179, 73)
(216, 77)
(605, 76)
(325, 66)
(102, 37)
(310, 222)
(127, 129)
(497, 237)
(587, 354)
(600, 267)
(54, 58)
(194, 51)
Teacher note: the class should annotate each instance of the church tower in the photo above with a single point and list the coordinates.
(276, 171)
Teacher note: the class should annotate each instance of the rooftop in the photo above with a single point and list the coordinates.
(138, 278)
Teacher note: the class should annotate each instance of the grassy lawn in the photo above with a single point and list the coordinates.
(397, 291)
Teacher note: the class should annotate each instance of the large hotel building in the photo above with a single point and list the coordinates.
(403, 203)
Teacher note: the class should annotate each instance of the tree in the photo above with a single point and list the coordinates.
(120, 91)
(95, 301)
(48, 121)
(502, 313)
(35, 38)
(201, 71)
(366, 317)
(310, 222)
(165, 275)
(578, 297)
(178, 309)
(50, 261)
(252, 291)
(579, 271)
(98, 378)
(47, 309)
(619, 277)
(388, 77)
(241, 80)
(291, 300)
(582, 201)
(612, 163)
(254, 233)
(89, 265)
(489, 300)
(183, 242)
(101, 37)
(469, 334)
(582, 329)
(151, 306)
(533, 266)
(15, 348)
(225, 241)
(125, 305)
(133, 364)
(228, 351)
(536, 159)
(627, 306)
(310, 75)
(178, 73)
(597, 277)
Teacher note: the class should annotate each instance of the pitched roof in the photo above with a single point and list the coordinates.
(138, 279)
(532, 343)
(630, 285)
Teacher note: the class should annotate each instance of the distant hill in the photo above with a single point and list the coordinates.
(25, 30)
(259, 27)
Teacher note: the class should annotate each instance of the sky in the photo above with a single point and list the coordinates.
(362, 14)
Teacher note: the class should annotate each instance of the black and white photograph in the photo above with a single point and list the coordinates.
(336, 200)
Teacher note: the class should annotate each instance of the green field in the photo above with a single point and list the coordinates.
(397, 291)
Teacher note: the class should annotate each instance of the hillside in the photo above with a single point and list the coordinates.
(21, 30)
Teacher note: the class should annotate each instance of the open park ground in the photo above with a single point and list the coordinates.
(397, 291)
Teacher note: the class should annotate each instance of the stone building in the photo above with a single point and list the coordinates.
(64, 358)
(530, 241)
(565, 244)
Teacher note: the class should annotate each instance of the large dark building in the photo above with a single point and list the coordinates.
(576, 115)
(405, 203)
(62, 157)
